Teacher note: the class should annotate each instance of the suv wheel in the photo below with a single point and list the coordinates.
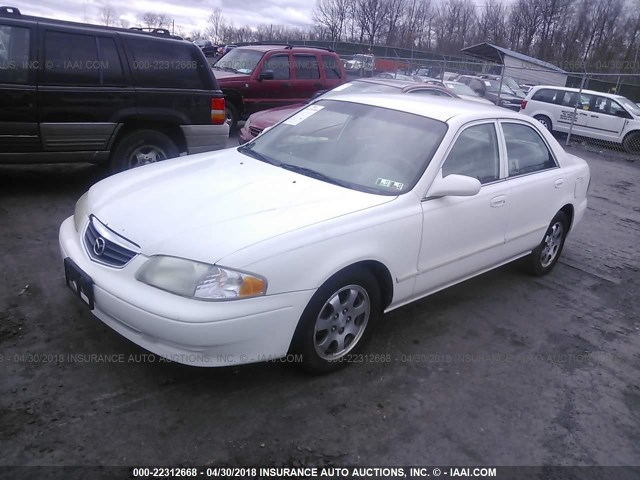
(142, 147)
(545, 121)
(231, 115)
(631, 142)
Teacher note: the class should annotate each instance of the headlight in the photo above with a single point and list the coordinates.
(81, 212)
(199, 280)
(247, 124)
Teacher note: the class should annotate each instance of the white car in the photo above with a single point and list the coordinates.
(299, 240)
(603, 116)
(465, 92)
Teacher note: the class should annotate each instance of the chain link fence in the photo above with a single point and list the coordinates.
(591, 110)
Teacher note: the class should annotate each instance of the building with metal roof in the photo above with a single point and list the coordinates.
(523, 68)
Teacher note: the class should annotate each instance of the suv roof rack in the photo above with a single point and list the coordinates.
(10, 11)
(159, 31)
(290, 47)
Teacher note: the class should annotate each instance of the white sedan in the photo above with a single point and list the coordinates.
(300, 240)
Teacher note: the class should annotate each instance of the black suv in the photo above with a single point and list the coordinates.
(72, 92)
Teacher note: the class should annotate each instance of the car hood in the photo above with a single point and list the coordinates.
(209, 205)
(267, 118)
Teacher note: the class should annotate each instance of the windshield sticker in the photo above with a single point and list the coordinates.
(488, 84)
(383, 182)
(303, 115)
(342, 87)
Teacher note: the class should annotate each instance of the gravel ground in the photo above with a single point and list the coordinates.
(504, 369)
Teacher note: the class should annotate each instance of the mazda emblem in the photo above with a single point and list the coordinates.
(99, 246)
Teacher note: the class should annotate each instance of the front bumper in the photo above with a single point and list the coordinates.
(184, 330)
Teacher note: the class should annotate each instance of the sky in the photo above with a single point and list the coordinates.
(189, 14)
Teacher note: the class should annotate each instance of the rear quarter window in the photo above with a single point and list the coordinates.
(166, 64)
(14, 54)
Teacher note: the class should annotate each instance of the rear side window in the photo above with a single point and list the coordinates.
(331, 67)
(110, 62)
(545, 95)
(526, 151)
(14, 54)
(306, 67)
(165, 64)
(71, 59)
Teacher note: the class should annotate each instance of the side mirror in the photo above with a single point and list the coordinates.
(266, 75)
(454, 186)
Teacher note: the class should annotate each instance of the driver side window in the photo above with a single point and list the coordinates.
(475, 154)
(279, 64)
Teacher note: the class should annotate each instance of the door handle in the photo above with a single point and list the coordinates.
(559, 182)
(595, 116)
(286, 84)
(498, 201)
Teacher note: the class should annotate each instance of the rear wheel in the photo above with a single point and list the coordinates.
(542, 260)
(545, 121)
(631, 142)
(142, 147)
(231, 116)
(337, 320)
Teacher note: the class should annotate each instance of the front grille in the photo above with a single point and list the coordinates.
(255, 131)
(107, 247)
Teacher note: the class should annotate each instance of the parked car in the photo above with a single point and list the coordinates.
(207, 47)
(398, 76)
(259, 77)
(303, 252)
(97, 99)
(224, 49)
(259, 121)
(360, 66)
(603, 116)
(490, 89)
(465, 92)
(508, 81)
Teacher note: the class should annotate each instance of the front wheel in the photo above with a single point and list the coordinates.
(231, 116)
(542, 260)
(337, 320)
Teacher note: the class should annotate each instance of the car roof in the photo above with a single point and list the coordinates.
(576, 90)
(17, 15)
(437, 108)
(391, 82)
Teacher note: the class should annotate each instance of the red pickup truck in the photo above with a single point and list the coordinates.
(259, 77)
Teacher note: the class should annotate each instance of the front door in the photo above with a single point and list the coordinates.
(462, 236)
(604, 121)
(270, 93)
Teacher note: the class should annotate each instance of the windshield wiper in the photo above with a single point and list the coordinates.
(313, 174)
(247, 149)
(226, 69)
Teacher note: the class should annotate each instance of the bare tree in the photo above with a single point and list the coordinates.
(107, 15)
(331, 15)
(372, 14)
(216, 23)
(155, 20)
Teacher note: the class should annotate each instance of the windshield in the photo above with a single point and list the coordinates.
(461, 89)
(362, 147)
(629, 106)
(494, 85)
(239, 60)
(511, 83)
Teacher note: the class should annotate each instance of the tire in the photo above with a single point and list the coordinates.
(631, 142)
(545, 121)
(231, 115)
(542, 260)
(141, 147)
(323, 349)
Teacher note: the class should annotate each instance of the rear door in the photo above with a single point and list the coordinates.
(83, 89)
(332, 71)
(306, 76)
(535, 185)
(18, 99)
